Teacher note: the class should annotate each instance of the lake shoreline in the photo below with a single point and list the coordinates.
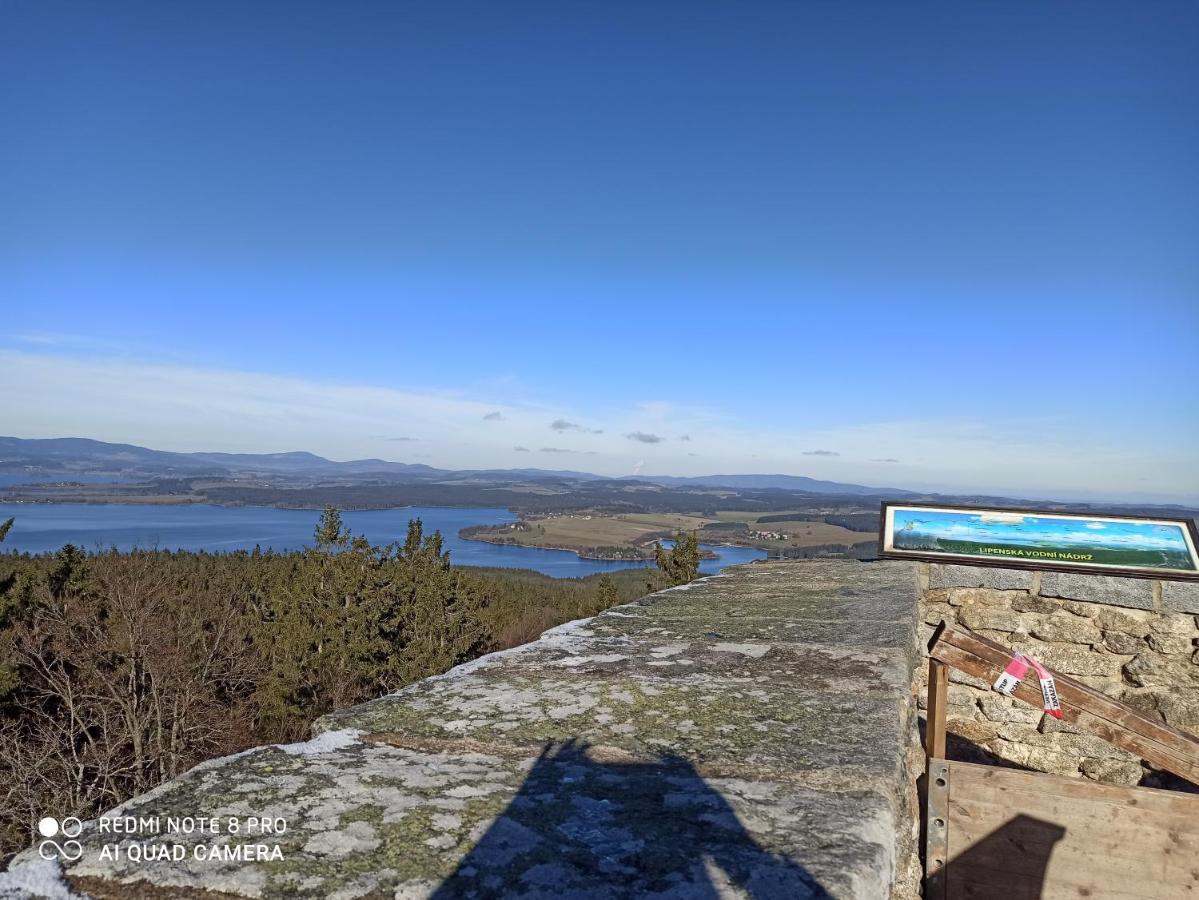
(221, 528)
(582, 554)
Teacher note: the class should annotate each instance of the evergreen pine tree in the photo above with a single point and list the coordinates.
(607, 593)
(680, 564)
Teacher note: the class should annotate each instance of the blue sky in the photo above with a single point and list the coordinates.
(950, 250)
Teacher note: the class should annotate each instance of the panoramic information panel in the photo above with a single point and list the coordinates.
(1122, 545)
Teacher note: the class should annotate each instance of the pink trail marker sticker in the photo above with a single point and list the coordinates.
(1014, 673)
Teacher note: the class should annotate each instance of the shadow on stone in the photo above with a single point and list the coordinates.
(960, 749)
(582, 826)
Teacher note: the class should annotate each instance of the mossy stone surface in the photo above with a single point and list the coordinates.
(742, 737)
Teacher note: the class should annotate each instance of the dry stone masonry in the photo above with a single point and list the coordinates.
(749, 735)
(1133, 639)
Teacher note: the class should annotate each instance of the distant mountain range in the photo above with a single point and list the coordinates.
(777, 482)
(59, 458)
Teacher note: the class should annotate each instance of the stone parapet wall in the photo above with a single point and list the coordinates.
(1133, 639)
(748, 735)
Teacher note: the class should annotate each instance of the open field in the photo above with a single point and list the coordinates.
(666, 521)
(603, 535)
(809, 534)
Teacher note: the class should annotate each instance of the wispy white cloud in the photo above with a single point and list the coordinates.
(192, 408)
(186, 407)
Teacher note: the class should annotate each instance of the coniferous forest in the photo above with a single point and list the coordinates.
(122, 670)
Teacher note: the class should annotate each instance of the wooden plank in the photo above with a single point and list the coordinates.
(1146, 748)
(983, 884)
(1075, 864)
(934, 726)
(1009, 846)
(1167, 803)
(999, 884)
(936, 830)
(1091, 711)
(1139, 745)
(1080, 695)
(1145, 832)
(1030, 834)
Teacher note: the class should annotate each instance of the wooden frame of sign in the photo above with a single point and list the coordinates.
(1057, 540)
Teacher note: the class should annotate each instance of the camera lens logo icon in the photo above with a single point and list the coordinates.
(51, 828)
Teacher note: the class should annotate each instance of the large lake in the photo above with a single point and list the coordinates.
(42, 527)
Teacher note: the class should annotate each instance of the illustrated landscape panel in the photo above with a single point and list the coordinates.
(1070, 541)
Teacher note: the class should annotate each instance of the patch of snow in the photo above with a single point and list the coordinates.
(326, 742)
(754, 651)
(564, 637)
(132, 803)
(36, 878)
(583, 660)
(668, 650)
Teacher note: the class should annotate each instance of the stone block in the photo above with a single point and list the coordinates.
(1078, 608)
(960, 695)
(940, 576)
(987, 618)
(1134, 593)
(982, 597)
(1090, 746)
(1105, 684)
(1181, 596)
(1072, 661)
(973, 731)
(1171, 644)
(1020, 733)
(1004, 710)
(1067, 629)
(1032, 603)
(1134, 623)
(1166, 623)
(1180, 710)
(1113, 771)
(924, 634)
(1050, 725)
(1055, 762)
(1075, 743)
(1142, 701)
(957, 677)
(934, 615)
(1120, 642)
(1149, 669)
